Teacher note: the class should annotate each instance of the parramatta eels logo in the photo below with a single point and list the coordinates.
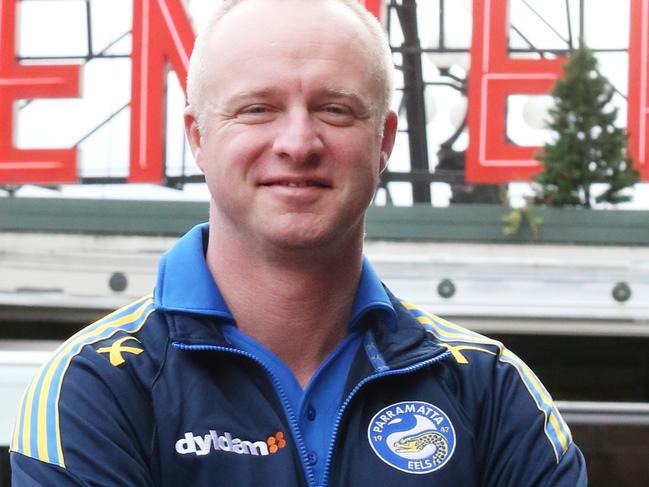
(412, 436)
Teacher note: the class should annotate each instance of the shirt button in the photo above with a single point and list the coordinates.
(311, 457)
(310, 413)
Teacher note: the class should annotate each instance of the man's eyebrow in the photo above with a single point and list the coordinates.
(244, 95)
(262, 92)
(342, 93)
(331, 93)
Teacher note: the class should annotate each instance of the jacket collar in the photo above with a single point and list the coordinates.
(384, 351)
(409, 344)
(185, 286)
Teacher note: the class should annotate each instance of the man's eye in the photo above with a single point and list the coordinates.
(337, 110)
(258, 113)
(254, 109)
(337, 114)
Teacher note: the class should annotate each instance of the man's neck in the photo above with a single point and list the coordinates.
(298, 308)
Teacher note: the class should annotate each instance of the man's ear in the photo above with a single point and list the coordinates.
(389, 136)
(193, 133)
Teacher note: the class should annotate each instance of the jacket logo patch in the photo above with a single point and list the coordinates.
(116, 350)
(412, 436)
(202, 445)
(275, 443)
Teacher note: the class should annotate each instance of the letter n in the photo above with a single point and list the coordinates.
(638, 112)
(162, 33)
(18, 81)
(493, 77)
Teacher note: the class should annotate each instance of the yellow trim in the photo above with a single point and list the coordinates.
(27, 448)
(47, 381)
(457, 350)
(58, 393)
(531, 376)
(545, 396)
(50, 367)
(460, 329)
(553, 417)
(462, 333)
(453, 336)
(18, 422)
(559, 430)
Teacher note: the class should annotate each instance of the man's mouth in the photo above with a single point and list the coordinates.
(302, 183)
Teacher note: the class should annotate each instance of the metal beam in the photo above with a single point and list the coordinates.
(610, 413)
(413, 87)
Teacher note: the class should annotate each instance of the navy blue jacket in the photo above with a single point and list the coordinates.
(157, 398)
(157, 394)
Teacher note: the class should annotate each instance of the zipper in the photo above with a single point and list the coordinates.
(290, 415)
(354, 391)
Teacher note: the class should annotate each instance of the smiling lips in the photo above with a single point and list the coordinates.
(300, 185)
(296, 190)
(296, 183)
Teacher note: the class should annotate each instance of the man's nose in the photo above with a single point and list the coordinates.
(298, 139)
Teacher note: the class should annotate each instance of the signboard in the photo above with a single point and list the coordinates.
(494, 76)
(162, 36)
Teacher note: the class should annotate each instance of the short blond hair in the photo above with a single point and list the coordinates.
(381, 57)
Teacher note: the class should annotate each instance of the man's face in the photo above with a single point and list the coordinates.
(291, 146)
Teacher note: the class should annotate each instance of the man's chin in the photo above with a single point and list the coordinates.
(308, 238)
(300, 240)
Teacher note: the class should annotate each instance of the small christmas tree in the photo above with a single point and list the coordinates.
(589, 148)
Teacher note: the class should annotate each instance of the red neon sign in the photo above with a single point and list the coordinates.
(162, 35)
(638, 111)
(22, 81)
(494, 76)
(373, 6)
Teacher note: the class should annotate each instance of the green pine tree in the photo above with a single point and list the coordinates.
(589, 148)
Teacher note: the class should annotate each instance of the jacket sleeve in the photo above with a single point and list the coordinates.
(86, 424)
(524, 439)
(27, 472)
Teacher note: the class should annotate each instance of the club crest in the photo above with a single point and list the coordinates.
(412, 436)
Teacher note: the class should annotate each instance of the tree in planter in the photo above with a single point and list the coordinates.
(589, 148)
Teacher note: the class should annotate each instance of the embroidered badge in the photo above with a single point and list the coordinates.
(412, 436)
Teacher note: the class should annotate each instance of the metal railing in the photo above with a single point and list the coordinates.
(609, 413)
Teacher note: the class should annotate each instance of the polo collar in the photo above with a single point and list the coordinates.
(185, 285)
(184, 282)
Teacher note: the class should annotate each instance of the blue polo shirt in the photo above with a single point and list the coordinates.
(185, 284)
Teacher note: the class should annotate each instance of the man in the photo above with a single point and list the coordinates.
(270, 353)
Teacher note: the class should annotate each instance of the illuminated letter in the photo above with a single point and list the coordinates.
(494, 76)
(161, 33)
(18, 81)
(638, 112)
(373, 6)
